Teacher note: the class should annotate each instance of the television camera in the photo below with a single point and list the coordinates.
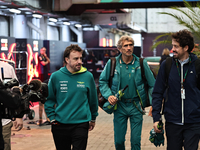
(15, 100)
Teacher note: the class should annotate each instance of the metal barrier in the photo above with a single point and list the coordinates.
(19, 62)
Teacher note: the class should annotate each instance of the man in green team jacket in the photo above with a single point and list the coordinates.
(72, 104)
(127, 72)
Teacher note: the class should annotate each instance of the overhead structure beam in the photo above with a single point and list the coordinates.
(61, 5)
(64, 5)
(70, 7)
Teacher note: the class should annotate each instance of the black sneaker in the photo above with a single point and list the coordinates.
(31, 122)
(46, 123)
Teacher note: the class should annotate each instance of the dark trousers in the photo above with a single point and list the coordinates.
(70, 135)
(1, 136)
(179, 136)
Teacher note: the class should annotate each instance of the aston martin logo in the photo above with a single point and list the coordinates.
(80, 82)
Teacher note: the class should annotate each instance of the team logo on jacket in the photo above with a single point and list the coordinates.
(40, 58)
(115, 71)
(80, 84)
(133, 69)
(63, 86)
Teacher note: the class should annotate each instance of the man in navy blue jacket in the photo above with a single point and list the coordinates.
(182, 100)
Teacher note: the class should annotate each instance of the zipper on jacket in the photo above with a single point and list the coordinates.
(181, 96)
(182, 80)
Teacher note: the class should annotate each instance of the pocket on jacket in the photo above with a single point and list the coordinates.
(114, 86)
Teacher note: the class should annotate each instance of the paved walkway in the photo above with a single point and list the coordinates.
(101, 138)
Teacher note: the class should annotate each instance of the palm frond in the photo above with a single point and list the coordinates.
(195, 29)
(163, 42)
(190, 15)
(188, 18)
(166, 35)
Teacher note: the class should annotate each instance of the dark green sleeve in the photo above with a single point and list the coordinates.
(92, 98)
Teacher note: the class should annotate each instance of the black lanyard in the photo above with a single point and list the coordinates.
(185, 72)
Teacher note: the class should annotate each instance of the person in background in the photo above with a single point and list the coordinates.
(72, 104)
(7, 124)
(114, 53)
(165, 54)
(89, 63)
(43, 62)
(182, 100)
(105, 57)
(127, 72)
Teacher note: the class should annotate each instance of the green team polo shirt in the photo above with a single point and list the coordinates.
(127, 73)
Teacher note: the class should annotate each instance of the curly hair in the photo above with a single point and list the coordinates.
(184, 38)
(69, 49)
(122, 39)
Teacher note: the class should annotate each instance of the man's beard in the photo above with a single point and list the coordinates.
(76, 68)
(175, 56)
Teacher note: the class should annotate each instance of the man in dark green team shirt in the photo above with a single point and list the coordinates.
(72, 104)
(127, 72)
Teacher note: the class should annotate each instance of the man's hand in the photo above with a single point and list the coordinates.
(91, 126)
(48, 60)
(150, 112)
(155, 126)
(112, 100)
(45, 55)
(18, 123)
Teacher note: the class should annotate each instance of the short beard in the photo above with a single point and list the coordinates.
(175, 57)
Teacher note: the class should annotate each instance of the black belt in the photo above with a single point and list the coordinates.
(133, 100)
(127, 100)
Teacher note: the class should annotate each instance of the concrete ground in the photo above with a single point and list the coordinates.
(101, 138)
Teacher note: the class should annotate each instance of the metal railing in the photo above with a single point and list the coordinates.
(20, 63)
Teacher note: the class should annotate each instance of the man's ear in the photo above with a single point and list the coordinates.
(66, 59)
(186, 48)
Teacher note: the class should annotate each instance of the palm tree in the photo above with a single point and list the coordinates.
(188, 17)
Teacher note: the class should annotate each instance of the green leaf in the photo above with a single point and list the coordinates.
(188, 18)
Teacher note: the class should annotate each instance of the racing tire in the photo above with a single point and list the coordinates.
(31, 114)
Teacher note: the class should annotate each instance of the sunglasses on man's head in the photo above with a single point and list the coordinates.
(131, 45)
